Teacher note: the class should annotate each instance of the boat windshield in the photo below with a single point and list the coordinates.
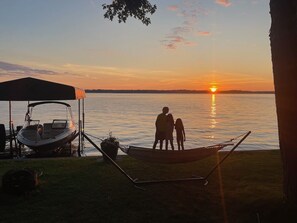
(58, 115)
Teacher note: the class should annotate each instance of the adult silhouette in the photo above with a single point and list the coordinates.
(161, 126)
(169, 131)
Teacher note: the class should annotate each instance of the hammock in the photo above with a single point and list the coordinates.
(167, 156)
(172, 156)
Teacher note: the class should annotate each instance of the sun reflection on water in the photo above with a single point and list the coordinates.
(213, 112)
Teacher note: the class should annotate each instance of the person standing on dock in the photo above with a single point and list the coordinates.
(169, 131)
(180, 133)
(161, 126)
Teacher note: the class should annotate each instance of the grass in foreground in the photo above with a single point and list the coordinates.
(247, 188)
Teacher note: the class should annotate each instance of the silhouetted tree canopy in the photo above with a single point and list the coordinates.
(133, 8)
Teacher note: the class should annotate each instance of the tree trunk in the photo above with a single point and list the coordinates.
(283, 40)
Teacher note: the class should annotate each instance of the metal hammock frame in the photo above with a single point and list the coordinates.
(137, 182)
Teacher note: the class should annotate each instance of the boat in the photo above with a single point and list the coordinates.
(50, 135)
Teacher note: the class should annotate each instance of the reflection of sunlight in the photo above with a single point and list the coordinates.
(223, 203)
(213, 113)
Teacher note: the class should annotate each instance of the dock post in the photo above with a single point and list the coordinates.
(10, 131)
(83, 125)
(79, 130)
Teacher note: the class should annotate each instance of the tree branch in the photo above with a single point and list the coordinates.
(129, 8)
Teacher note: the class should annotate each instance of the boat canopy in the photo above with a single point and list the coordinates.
(32, 89)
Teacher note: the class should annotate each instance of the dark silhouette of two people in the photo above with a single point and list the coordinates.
(164, 130)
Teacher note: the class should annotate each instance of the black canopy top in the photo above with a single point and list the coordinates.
(32, 89)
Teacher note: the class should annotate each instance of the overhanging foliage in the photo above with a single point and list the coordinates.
(133, 8)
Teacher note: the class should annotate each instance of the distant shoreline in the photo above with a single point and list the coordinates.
(175, 91)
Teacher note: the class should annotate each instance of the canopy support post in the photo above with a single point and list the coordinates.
(83, 124)
(10, 131)
(79, 130)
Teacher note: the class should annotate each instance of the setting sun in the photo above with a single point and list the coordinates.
(213, 89)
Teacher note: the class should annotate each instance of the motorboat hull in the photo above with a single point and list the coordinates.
(47, 144)
(49, 135)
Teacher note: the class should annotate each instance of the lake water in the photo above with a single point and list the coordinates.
(207, 118)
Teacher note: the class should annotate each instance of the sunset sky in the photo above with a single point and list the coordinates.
(190, 44)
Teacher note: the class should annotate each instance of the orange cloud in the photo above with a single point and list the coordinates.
(173, 41)
(105, 77)
(172, 8)
(204, 33)
(225, 3)
(189, 43)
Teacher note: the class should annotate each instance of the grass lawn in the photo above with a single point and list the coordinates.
(246, 188)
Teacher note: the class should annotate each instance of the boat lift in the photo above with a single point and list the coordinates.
(32, 89)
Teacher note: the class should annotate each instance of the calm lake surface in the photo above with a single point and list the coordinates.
(207, 118)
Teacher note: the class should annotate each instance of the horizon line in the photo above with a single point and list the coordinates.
(176, 91)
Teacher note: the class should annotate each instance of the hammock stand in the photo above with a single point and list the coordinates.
(137, 182)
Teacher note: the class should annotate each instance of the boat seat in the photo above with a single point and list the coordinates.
(59, 124)
(31, 134)
(33, 127)
(49, 132)
(47, 127)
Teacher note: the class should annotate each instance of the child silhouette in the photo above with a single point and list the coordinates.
(180, 133)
